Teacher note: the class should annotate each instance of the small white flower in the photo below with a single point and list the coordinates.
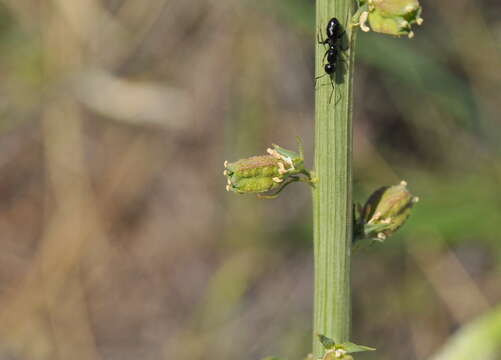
(363, 21)
(375, 217)
(274, 153)
(340, 353)
(281, 168)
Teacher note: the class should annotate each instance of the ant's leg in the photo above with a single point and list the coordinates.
(330, 96)
(332, 92)
(320, 37)
(319, 40)
(325, 85)
(337, 101)
(318, 77)
(325, 55)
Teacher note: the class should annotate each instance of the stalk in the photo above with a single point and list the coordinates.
(332, 197)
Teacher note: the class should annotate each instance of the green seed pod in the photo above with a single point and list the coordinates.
(386, 211)
(393, 17)
(396, 7)
(259, 174)
(395, 25)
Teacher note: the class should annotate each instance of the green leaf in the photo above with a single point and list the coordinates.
(287, 153)
(327, 343)
(353, 348)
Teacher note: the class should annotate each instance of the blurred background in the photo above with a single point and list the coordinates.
(118, 238)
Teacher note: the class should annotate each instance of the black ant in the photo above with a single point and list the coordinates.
(334, 35)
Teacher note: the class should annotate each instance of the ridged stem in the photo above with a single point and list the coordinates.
(332, 212)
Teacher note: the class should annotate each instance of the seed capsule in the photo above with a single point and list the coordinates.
(392, 17)
(259, 174)
(386, 210)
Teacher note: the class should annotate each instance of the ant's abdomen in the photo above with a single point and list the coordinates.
(330, 68)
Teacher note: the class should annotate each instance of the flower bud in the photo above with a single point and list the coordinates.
(396, 7)
(393, 17)
(386, 211)
(259, 174)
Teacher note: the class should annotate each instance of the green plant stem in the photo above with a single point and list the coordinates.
(332, 212)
